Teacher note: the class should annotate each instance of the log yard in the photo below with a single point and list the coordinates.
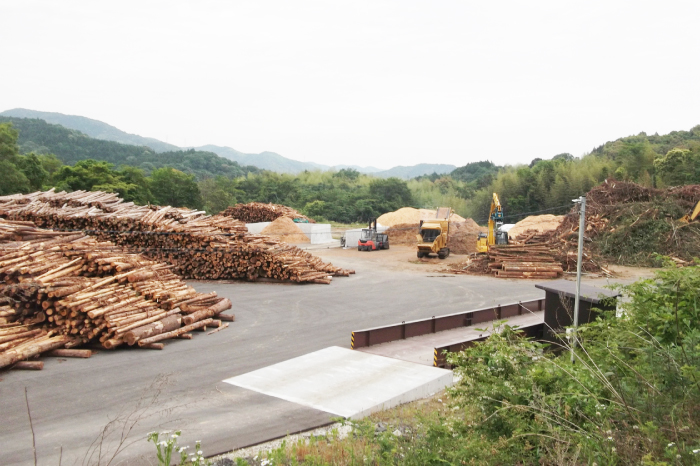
(91, 285)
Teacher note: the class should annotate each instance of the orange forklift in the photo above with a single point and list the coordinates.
(370, 240)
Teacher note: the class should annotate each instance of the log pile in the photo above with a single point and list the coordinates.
(523, 261)
(256, 212)
(66, 289)
(198, 246)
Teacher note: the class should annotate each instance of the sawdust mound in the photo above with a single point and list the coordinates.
(539, 223)
(461, 238)
(286, 230)
(409, 215)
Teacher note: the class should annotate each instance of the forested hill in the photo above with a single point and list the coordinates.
(71, 146)
(406, 173)
(93, 128)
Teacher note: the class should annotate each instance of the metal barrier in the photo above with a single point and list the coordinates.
(440, 353)
(377, 335)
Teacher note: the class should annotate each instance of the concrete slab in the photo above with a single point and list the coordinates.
(344, 382)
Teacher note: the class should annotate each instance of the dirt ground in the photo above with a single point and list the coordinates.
(403, 258)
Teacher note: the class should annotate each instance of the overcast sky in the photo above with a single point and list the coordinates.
(379, 83)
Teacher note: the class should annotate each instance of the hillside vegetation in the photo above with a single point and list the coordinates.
(544, 185)
(71, 146)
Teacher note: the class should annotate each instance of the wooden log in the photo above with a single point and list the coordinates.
(29, 365)
(221, 327)
(70, 353)
(156, 346)
(227, 317)
(20, 353)
(209, 312)
(180, 331)
(23, 335)
(167, 324)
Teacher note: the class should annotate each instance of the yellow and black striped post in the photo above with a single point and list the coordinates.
(435, 357)
(352, 341)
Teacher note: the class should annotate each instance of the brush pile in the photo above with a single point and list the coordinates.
(196, 245)
(256, 212)
(66, 289)
(626, 223)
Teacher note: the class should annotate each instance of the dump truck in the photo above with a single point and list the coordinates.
(494, 235)
(432, 234)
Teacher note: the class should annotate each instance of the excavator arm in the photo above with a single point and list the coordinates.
(693, 215)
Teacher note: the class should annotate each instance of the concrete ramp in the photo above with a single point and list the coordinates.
(344, 382)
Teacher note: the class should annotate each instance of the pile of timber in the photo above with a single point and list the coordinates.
(198, 246)
(255, 212)
(523, 261)
(67, 289)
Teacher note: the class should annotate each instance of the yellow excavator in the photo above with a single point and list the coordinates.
(494, 235)
(692, 216)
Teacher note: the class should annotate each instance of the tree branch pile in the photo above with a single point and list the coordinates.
(256, 212)
(196, 245)
(63, 290)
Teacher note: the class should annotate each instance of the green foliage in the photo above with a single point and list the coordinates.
(175, 188)
(678, 167)
(218, 193)
(13, 180)
(72, 146)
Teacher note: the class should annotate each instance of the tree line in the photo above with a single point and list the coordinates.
(196, 180)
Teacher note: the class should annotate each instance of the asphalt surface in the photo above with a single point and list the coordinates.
(72, 401)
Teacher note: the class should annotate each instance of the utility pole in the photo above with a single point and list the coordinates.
(581, 228)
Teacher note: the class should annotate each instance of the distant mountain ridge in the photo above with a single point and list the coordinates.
(264, 160)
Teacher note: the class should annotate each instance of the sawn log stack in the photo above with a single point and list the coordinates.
(196, 245)
(66, 289)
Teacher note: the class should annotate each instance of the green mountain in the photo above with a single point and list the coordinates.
(93, 128)
(70, 146)
(265, 160)
(406, 173)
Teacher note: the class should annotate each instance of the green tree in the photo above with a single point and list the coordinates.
(33, 169)
(12, 180)
(678, 167)
(175, 188)
(219, 193)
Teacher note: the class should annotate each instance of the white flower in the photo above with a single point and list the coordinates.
(671, 444)
(695, 452)
(614, 449)
(199, 452)
(174, 436)
(182, 449)
(597, 413)
(610, 439)
(678, 457)
(165, 432)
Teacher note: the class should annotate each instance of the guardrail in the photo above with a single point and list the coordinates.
(377, 335)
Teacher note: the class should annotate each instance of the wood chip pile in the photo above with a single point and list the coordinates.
(197, 245)
(64, 290)
(411, 216)
(256, 212)
(461, 238)
(285, 230)
(536, 223)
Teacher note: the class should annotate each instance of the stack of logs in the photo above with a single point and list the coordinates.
(523, 261)
(67, 289)
(198, 246)
(255, 212)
